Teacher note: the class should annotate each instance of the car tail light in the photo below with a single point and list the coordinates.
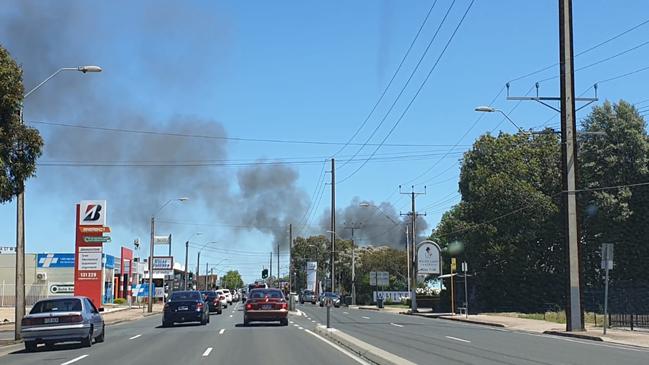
(221, 297)
(31, 321)
(284, 305)
(216, 301)
(199, 307)
(248, 306)
(71, 319)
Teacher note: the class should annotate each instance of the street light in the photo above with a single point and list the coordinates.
(183, 199)
(488, 109)
(20, 215)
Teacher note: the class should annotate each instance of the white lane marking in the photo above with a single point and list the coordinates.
(207, 352)
(230, 315)
(295, 325)
(300, 328)
(75, 359)
(365, 317)
(345, 312)
(396, 325)
(134, 337)
(313, 321)
(221, 331)
(457, 339)
(358, 359)
(291, 322)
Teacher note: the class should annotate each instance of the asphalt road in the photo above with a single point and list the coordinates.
(437, 341)
(223, 341)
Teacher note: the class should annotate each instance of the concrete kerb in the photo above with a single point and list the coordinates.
(360, 348)
(574, 335)
(492, 324)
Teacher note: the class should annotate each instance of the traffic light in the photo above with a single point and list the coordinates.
(191, 277)
(264, 273)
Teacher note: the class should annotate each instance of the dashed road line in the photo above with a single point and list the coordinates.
(221, 331)
(296, 325)
(365, 317)
(457, 339)
(396, 325)
(134, 337)
(207, 352)
(300, 328)
(313, 321)
(291, 322)
(345, 312)
(75, 359)
(230, 315)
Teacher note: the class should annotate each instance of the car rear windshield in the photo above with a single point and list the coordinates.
(308, 292)
(209, 294)
(261, 293)
(185, 295)
(57, 305)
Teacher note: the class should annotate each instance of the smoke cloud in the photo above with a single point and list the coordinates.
(379, 224)
(44, 36)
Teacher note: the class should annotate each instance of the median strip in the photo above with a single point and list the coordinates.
(361, 348)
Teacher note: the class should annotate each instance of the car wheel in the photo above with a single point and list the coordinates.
(30, 346)
(208, 319)
(87, 342)
(219, 311)
(246, 322)
(49, 345)
(166, 324)
(101, 336)
(284, 322)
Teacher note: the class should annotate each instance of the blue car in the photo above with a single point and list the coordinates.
(185, 306)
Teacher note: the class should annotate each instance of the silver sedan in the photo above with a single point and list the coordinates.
(62, 320)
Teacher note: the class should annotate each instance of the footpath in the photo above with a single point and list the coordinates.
(613, 335)
(111, 314)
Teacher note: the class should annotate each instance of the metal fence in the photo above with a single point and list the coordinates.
(33, 293)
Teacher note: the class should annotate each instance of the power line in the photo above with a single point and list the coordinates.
(389, 83)
(416, 94)
(212, 137)
(582, 52)
(403, 89)
(602, 60)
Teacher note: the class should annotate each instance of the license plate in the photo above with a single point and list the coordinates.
(50, 320)
(267, 306)
(183, 308)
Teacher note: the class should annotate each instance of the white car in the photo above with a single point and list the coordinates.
(223, 298)
(228, 295)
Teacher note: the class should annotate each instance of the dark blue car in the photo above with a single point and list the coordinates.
(185, 306)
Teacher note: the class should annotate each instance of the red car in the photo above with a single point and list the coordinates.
(266, 305)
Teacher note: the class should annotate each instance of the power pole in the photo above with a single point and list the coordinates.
(353, 227)
(574, 313)
(333, 221)
(198, 268)
(413, 246)
(408, 255)
(186, 263)
(20, 262)
(567, 99)
(150, 304)
(270, 277)
(290, 258)
(278, 264)
(206, 266)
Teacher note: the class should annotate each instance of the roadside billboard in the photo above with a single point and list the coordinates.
(89, 232)
(311, 275)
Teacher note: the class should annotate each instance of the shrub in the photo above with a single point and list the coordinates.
(119, 301)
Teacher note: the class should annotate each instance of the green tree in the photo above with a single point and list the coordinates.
(313, 248)
(507, 223)
(20, 145)
(614, 153)
(232, 280)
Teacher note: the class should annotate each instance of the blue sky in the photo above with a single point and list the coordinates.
(290, 70)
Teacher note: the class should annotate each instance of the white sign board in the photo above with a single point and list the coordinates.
(607, 256)
(428, 261)
(92, 213)
(60, 288)
(394, 296)
(161, 240)
(379, 278)
(163, 263)
(159, 292)
(311, 275)
(89, 258)
(7, 249)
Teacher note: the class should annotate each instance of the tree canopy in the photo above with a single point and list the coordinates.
(20, 145)
(232, 280)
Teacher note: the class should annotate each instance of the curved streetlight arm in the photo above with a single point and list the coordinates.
(365, 205)
(83, 69)
(488, 109)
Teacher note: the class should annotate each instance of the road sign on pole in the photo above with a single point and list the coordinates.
(607, 264)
